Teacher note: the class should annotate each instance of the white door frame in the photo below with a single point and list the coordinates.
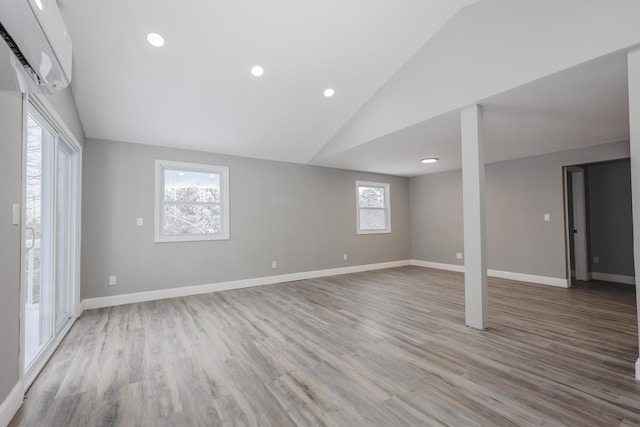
(44, 107)
(579, 232)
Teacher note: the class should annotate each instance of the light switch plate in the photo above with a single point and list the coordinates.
(547, 217)
(139, 222)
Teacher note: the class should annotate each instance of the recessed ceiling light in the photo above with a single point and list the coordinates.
(329, 92)
(429, 160)
(155, 39)
(39, 4)
(257, 70)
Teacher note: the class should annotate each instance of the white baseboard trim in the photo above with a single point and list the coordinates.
(520, 277)
(11, 404)
(110, 301)
(617, 278)
(438, 266)
(638, 369)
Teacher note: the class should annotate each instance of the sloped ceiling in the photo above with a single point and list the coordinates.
(551, 75)
(197, 91)
(578, 107)
(523, 60)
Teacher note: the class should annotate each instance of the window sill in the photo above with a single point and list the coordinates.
(194, 238)
(387, 231)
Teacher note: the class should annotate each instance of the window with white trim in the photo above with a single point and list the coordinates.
(374, 212)
(192, 202)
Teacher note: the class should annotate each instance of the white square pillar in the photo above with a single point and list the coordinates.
(475, 259)
(633, 61)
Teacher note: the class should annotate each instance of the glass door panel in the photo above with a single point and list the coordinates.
(64, 233)
(38, 239)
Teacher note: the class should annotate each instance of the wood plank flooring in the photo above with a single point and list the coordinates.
(384, 348)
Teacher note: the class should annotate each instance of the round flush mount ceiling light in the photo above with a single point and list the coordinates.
(257, 70)
(429, 160)
(329, 93)
(155, 39)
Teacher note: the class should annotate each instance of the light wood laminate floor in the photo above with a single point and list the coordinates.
(385, 348)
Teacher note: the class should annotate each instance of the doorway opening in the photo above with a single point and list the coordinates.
(598, 218)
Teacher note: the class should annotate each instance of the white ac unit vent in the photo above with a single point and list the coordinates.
(35, 47)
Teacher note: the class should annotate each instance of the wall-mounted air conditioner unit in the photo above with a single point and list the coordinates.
(35, 47)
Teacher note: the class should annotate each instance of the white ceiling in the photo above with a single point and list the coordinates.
(197, 92)
(582, 106)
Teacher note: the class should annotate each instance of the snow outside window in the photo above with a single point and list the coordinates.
(374, 214)
(192, 202)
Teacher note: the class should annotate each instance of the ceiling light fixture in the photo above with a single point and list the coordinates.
(257, 70)
(39, 4)
(155, 39)
(329, 93)
(429, 160)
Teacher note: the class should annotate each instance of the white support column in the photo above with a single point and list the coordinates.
(633, 61)
(475, 259)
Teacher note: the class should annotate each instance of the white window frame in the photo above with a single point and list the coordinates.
(387, 206)
(223, 171)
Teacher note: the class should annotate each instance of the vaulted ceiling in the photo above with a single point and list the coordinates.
(551, 74)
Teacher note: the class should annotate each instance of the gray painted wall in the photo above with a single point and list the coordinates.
(304, 217)
(436, 217)
(10, 192)
(518, 194)
(610, 217)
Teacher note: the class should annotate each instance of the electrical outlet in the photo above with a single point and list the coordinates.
(459, 255)
(547, 217)
(274, 264)
(596, 260)
(139, 222)
(345, 257)
(112, 280)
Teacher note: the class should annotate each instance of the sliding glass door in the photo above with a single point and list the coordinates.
(65, 258)
(50, 236)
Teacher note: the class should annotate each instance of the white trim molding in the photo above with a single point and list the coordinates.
(109, 301)
(519, 277)
(617, 278)
(638, 369)
(11, 404)
(438, 266)
(541, 280)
